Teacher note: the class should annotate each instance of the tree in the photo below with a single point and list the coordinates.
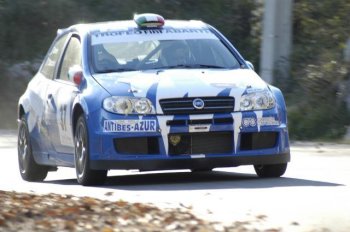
(316, 92)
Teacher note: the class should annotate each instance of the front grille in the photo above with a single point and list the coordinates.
(258, 140)
(185, 105)
(200, 143)
(137, 146)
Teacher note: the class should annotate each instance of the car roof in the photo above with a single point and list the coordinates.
(84, 29)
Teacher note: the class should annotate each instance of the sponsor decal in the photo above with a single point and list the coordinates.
(264, 121)
(268, 121)
(150, 31)
(174, 139)
(129, 126)
(249, 122)
(132, 35)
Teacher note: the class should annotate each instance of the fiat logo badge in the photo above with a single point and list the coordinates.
(198, 103)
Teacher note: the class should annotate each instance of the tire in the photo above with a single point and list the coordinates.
(270, 170)
(29, 169)
(85, 176)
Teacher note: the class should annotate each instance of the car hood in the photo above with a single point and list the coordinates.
(179, 83)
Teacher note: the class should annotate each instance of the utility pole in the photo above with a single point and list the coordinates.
(277, 40)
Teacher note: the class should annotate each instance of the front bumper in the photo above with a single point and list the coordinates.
(191, 163)
(153, 150)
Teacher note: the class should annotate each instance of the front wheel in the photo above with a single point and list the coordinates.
(29, 169)
(270, 170)
(85, 175)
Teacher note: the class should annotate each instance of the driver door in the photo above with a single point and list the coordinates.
(62, 92)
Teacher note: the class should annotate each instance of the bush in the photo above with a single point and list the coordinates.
(319, 77)
(318, 110)
(322, 121)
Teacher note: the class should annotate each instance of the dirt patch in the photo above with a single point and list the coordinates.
(29, 212)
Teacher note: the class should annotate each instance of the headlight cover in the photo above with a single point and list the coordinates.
(258, 100)
(128, 105)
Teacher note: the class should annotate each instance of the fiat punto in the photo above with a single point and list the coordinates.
(148, 94)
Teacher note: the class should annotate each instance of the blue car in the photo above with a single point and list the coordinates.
(148, 94)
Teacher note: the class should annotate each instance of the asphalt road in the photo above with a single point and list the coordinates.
(313, 195)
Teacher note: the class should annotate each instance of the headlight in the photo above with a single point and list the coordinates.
(128, 105)
(260, 100)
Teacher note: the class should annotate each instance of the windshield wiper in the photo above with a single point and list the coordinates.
(175, 66)
(207, 66)
(117, 70)
(191, 66)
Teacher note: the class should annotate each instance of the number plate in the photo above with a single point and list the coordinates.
(199, 128)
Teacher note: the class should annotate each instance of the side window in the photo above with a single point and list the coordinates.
(72, 56)
(54, 54)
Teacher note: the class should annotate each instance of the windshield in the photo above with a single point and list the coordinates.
(119, 56)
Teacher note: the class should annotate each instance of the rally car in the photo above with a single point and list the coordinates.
(148, 94)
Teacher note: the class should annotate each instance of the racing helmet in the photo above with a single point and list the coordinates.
(103, 59)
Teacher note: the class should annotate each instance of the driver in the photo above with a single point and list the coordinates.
(177, 53)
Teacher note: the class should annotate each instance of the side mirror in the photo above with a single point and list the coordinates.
(250, 65)
(75, 74)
